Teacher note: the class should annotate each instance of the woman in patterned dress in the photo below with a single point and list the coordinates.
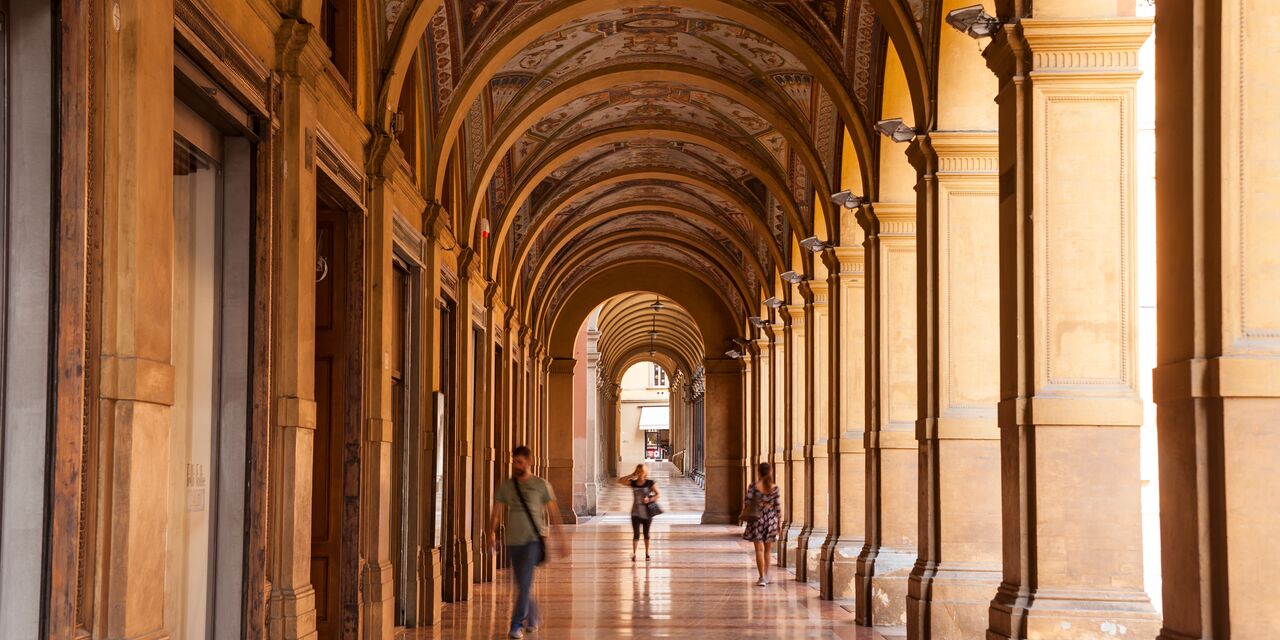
(764, 530)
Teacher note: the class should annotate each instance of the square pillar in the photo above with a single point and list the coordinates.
(958, 568)
(817, 374)
(1070, 411)
(137, 376)
(890, 548)
(558, 455)
(1217, 384)
(291, 611)
(847, 407)
(794, 497)
(722, 436)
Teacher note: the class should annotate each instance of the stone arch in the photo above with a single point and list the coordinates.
(725, 388)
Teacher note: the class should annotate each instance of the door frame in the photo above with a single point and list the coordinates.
(339, 183)
(409, 250)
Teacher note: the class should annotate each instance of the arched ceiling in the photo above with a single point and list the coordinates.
(705, 134)
(630, 328)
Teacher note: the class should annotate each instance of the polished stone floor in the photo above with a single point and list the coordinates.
(699, 585)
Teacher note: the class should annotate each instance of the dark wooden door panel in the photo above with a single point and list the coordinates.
(330, 438)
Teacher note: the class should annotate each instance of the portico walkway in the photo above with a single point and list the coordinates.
(700, 584)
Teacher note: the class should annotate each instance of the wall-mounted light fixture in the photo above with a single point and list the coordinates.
(895, 129)
(791, 276)
(773, 302)
(733, 353)
(812, 243)
(973, 21)
(759, 322)
(847, 200)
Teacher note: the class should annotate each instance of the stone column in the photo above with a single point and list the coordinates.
(781, 414)
(890, 551)
(722, 437)
(794, 497)
(292, 606)
(593, 421)
(1069, 410)
(1216, 385)
(846, 464)
(377, 586)
(748, 415)
(137, 374)
(959, 552)
(816, 472)
(764, 386)
(558, 456)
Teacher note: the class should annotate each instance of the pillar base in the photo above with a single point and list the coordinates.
(787, 544)
(431, 581)
(378, 599)
(951, 600)
(811, 551)
(719, 517)
(1071, 614)
(882, 589)
(292, 614)
(838, 570)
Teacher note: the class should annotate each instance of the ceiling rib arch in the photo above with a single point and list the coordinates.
(632, 248)
(507, 137)
(823, 65)
(585, 222)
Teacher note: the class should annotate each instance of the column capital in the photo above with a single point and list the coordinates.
(965, 153)
(1085, 45)
(796, 314)
(818, 292)
(895, 219)
(852, 261)
(561, 365)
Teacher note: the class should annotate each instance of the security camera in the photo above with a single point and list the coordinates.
(895, 129)
(773, 302)
(792, 277)
(973, 21)
(847, 200)
(812, 243)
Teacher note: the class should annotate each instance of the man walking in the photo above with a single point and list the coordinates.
(528, 502)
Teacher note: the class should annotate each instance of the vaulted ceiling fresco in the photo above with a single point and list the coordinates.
(706, 134)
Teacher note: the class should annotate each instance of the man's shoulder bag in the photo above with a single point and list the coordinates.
(520, 494)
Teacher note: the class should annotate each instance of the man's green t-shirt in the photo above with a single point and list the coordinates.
(537, 494)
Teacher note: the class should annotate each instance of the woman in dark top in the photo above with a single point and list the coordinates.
(764, 529)
(645, 492)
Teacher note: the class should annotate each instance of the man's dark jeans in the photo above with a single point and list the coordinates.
(524, 558)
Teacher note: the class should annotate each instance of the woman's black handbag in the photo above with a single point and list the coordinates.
(652, 509)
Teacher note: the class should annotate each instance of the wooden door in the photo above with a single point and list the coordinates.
(330, 438)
